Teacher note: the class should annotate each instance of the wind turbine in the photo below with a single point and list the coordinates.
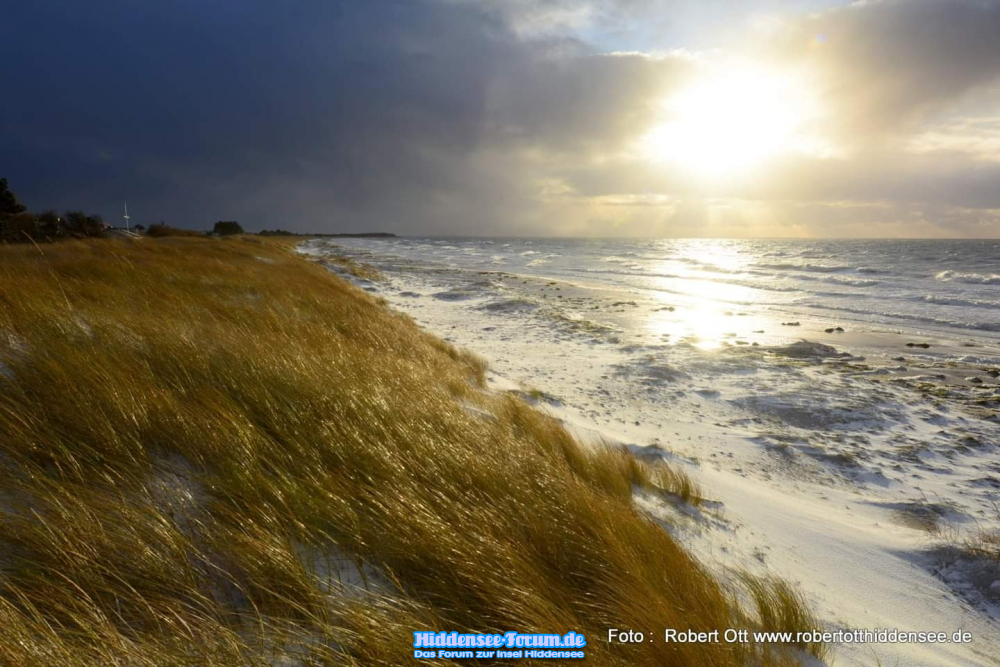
(126, 218)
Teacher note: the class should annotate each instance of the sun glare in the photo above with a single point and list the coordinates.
(732, 121)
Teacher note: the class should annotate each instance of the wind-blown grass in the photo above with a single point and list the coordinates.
(984, 543)
(213, 452)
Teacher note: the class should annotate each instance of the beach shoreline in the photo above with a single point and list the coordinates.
(884, 447)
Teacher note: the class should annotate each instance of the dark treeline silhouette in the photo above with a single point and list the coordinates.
(227, 228)
(18, 225)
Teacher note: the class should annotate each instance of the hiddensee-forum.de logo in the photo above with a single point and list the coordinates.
(457, 645)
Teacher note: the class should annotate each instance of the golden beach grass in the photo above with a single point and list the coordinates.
(214, 452)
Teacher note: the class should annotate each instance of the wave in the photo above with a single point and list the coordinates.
(749, 283)
(641, 274)
(709, 269)
(954, 301)
(970, 278)
(816, 268)
(978, 326)
(836, 280)
(633, 262)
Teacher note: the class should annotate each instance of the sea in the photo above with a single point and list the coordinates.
(945, 287)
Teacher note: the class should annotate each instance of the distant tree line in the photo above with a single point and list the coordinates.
(227, 228)
(18, 225)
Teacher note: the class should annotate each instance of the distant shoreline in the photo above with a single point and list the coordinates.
(356, 235)
(359, 235)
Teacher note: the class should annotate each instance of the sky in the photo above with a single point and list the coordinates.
(620, 118)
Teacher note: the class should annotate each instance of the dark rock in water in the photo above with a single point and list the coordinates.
(993, 373)
(790, 324)
(975, 380)
(899, 358)
(805, 349)
(840, 329)
(923, 345)
(755, 344)
(828, 330)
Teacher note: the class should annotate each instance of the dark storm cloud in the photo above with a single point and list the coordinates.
(191, 103)
(332, 114)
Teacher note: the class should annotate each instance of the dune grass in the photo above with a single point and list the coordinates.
(213, 452)
(984, 542)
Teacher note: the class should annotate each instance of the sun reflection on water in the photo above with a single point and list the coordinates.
(709, 313)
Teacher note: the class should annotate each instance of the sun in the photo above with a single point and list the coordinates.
(734, 120)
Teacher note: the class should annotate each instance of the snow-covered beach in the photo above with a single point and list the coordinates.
(850, 464)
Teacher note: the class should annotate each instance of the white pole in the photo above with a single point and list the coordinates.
(126, 218)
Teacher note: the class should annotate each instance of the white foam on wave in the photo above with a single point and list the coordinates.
(837, 280)
(956, 301)
(970, 278)
(925, 319)
(817, 268)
